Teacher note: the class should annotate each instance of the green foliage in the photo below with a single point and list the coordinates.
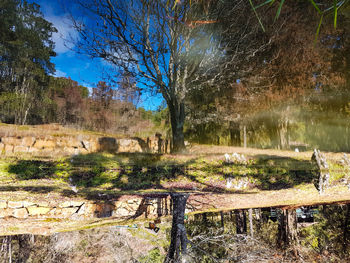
(25, 51)
(328, 234)
(268, 232)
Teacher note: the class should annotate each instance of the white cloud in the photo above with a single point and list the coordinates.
(60, 73)
(62, 24)
(65, 32)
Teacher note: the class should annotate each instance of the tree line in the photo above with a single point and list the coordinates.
(29, 94)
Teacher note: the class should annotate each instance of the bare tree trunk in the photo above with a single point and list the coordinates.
(251, 222)
(178, 230)
(283, 133)
(177, 119)
(287, 227)
(10, 250)
(245, 136)
(346, 229)
(241, 221)
(235, 134)
(222, 220)
(205, 219)
(24, 247)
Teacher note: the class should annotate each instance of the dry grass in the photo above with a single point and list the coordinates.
(43, 130)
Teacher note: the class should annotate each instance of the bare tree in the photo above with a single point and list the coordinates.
(159, 43)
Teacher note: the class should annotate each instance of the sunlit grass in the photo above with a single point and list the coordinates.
(140, 172)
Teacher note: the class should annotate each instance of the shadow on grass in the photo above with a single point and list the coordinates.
(277, 172)
(98, 173)
(32, 169)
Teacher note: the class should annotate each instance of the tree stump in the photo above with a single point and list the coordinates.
(322, 171)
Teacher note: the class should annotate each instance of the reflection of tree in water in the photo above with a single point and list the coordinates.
(215, 237)
(209, 237)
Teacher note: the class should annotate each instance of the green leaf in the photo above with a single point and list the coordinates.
(335, 13)
(257, 16)
(316, 7)
(265, 3)
(279, 10)
(318, 28)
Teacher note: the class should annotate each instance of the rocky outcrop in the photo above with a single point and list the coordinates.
(79, 144)
(129, 208)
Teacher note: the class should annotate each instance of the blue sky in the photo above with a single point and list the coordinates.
(80, 68)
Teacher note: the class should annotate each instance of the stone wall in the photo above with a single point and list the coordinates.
(131, 207)
(80, 144)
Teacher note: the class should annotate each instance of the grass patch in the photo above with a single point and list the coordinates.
(32, 169)
(142, 172)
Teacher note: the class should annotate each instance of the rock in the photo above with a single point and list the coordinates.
(41, 144)
(32, 150)
(8, 148)
(69, 150)
(93, 145)
(20, 149)
(2, 147)
(129, 145)
(20, 213)
(64, 204)
(68, 211)
(11, 140)
(76, 203)
(35, 211)
(14, 204)
(122, 212)
(47, 151)
(74, 142)
(3, 204)
(55, 212)
(62, 142)
(43, 203)
(71, 204)
(27, 203)
(5, 212)
(87, 209)
(28, 141)
(39, 231)
(63, 212)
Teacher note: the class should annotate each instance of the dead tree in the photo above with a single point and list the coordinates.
(287, 227)
(178, 230)
(322, 171)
